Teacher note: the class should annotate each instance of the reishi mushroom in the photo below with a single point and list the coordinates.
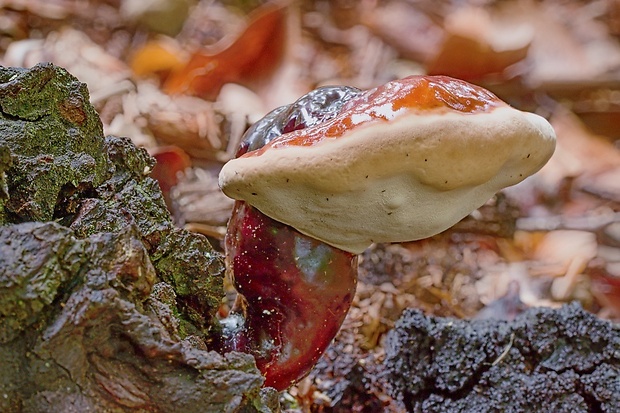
(319, 181)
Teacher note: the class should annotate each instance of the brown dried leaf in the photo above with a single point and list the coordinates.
(200, 202)
(391, 20)
(184, 121)
(569, 44)
(579, 153)
(478, 44)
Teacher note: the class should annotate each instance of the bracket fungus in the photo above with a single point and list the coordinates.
(319, 181)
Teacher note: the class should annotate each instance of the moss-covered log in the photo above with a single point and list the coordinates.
(104, 304)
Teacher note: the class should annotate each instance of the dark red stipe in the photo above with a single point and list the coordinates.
(294, 293)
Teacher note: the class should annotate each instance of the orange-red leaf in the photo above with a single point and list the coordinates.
(250, 59)
(171, 160)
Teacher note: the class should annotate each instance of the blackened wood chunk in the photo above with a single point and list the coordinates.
(560, 360)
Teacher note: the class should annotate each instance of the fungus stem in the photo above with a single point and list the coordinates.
(294, 293)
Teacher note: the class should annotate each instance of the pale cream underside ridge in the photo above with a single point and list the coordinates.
(402, 181)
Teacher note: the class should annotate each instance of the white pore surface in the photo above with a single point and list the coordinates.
(395, 181)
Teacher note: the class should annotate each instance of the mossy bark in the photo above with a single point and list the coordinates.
(104, 304)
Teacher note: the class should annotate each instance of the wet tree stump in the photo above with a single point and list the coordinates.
(104, 304)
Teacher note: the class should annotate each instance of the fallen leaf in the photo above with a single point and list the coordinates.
(252, 58)
(476, 44)
(579, 155)
(568, 45)
(171, 162)
(200, 201)
(188, 122)
(391, 21)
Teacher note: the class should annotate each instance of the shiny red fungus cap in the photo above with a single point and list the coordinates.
(400, 162)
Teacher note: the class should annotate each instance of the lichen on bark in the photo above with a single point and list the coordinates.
(55, 138)
(5, 163)
(32, 273)
(104, 304)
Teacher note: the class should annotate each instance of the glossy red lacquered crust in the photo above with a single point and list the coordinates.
(294, 293)
(414, 94)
